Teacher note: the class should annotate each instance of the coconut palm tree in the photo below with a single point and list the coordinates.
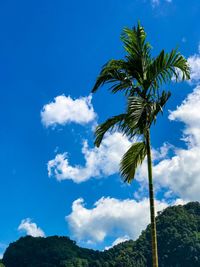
(141, 78)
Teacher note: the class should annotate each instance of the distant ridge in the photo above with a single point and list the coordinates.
(178, 242)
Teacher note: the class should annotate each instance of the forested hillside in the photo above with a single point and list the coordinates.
(178, 242)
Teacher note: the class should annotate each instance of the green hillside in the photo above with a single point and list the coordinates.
(178, 242)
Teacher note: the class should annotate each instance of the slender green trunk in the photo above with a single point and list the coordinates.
(152, 206)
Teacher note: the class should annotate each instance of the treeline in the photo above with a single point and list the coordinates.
(178, 242)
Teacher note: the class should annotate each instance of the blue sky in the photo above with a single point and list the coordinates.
(51, 53)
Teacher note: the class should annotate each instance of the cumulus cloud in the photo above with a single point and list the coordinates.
(180, 174)
(30, 228)
(102, 161)
(110, 216)
(188, 113)
(65, 110)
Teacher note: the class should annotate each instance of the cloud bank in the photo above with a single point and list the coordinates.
(180, 174)
(121, 219)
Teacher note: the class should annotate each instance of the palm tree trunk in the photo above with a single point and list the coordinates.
(152, 206)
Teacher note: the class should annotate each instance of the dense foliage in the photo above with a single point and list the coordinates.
(178, 241)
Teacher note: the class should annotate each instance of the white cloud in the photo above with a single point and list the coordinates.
(188, 113)
(30, 228)
(117, 241)
(180, 174)
(65, 110)
(110, 216)
(102, 161)
(162, 152)
(194, 63)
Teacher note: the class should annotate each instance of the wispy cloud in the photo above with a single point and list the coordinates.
(156, 3)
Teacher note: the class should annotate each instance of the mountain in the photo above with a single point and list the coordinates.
(178, 229)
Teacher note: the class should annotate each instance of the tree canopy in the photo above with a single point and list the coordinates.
(178, 229)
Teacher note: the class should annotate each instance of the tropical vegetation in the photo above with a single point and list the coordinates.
(141, 78)
(178, 230)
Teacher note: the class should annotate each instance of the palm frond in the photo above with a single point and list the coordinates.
(142, 112)
(135, 41)
(139, 76)
(164, 67)
(131, 123)
(157, 106)
(131, 160)
(128, 73)
(138, 50)
(115, 72)
(136, 115)
(107, 125)
(162, 101)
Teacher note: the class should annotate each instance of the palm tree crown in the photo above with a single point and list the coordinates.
(141, 78)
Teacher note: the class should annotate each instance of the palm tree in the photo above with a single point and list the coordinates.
(140, 77)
